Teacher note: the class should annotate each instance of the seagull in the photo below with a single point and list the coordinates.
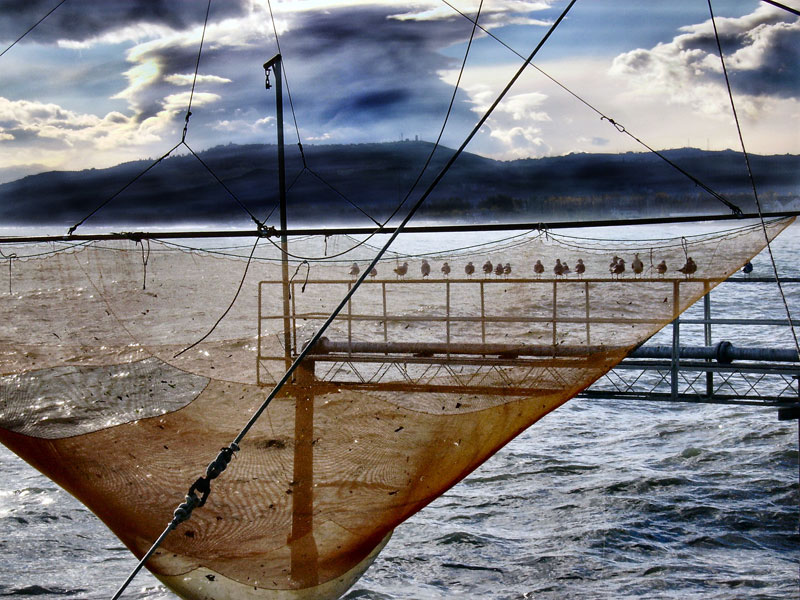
(748, 268)
(566, 269)
(618, 268)
(613, 263)
(373, 272)
(661, 267)
(507, 269)
(401, 270)
(469, 269)
(487, 267)
(354, 270)
(689, 268)
(559, 268)
(580, 268)
(498, 270)
(445, 269)
(425, 268)
(637, 265)
(538, 268)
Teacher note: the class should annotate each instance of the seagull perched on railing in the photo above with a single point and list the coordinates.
(401, 270)
(469, 269)
(538, 268)
(507, 269)
(565, 268)
(373, 272)
(580, 268)
(559, 268)
(613, 263)
(618, 268)
(661, 267)
(498, 270)
(446, 270)
(354, 270)
(748, 268)
(487, 267)
(689, 268)
(637, 265)
(425, 268)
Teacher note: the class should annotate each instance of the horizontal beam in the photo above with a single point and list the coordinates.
(723, 352)
(326, 346)
(768, 401)
(295, 231)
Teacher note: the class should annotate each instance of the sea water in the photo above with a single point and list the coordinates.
(600, 499)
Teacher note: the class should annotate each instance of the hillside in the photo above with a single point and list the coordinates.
(376, 177)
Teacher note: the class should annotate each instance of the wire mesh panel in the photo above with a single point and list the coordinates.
(124, 369)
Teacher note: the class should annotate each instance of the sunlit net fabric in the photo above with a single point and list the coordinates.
(418, 381)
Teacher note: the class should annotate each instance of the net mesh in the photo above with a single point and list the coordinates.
(115, 383)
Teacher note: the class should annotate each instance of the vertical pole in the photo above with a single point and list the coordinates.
(385, 325)
(294, 313)
(349, 319)
(287, 326)
(555, 304)
(586, 291)
(258, 350)
(707, 331)
(483, 317)
(304, 555)
(447, 321)
(676, 340)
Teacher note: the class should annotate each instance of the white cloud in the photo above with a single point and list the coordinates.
(243, 126)
(762, 52)
(42, 132)
(188, 79)
(495, 14)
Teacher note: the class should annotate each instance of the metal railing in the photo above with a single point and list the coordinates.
(708, 373)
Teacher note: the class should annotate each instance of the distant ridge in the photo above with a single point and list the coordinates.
(376, 177)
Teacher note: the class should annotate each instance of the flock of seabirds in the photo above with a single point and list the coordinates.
(561, 269)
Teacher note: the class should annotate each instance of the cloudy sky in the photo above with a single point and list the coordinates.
(98, 83)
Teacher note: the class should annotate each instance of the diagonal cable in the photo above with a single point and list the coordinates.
(225, 187)
(122, 189)
(734, 209)
(181, 143)
(32, 27)
(783, 6)
(446, 117)
(297, 127)
(753, 182)
(183, 512)
(196, 70)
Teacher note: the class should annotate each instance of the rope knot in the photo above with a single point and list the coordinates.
(219, 464)
(184, 511)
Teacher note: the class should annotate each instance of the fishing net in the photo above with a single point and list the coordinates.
(126, 366)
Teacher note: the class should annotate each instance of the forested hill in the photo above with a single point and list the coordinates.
(376, 177)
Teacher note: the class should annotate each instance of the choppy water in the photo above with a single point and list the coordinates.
(600, 499)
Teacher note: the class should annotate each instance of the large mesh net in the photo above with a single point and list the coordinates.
(119, 380)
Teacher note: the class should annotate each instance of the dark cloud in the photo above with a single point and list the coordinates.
(78, 21)
(25, 135)
(347, 68)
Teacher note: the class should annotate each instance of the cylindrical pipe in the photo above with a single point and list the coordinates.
(723, 352)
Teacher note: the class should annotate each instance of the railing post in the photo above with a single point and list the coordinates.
(483, 316)
(258, 350)
(385, 324)
(447, 317)
(555, 301)
(349, 317)
(676, 340)
(586, 291)
(707, 332)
